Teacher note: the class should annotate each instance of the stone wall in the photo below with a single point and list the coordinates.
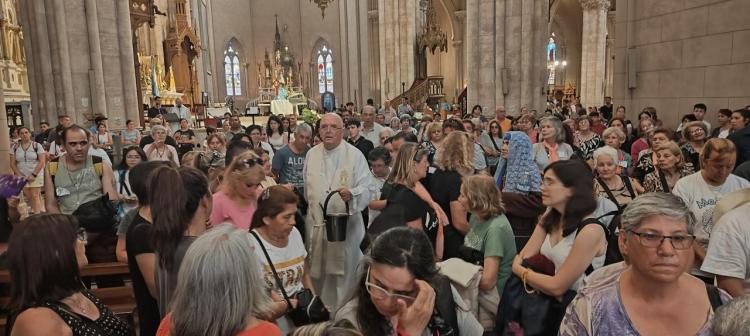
(687, 51)
(80, 60)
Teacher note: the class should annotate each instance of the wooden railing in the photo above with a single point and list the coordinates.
(424, 91)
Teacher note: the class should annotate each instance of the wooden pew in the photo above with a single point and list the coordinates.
(120, 300)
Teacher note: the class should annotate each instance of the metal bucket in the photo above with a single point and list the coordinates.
(335, 223)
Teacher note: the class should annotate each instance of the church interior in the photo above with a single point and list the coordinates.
(87, 58)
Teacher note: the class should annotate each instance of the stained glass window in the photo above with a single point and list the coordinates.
(325, 69)
(232, 75)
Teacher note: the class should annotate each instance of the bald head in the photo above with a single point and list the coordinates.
(331, 130)
(500, 112)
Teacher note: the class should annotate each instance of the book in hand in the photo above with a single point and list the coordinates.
(11, 185)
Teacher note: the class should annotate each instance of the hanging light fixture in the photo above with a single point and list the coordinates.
(322, 4)
(431, 36)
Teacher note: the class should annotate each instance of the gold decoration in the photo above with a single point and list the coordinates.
(431, 36)
(322, 4)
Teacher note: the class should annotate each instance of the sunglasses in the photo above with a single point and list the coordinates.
(249, 163)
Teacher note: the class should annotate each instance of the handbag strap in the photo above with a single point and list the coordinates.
(609, 192)
(273, 269)
(663, 180)
(714, 296)
(494, 144)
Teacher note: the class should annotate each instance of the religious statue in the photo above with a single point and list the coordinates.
(551, 50)
(283, 94)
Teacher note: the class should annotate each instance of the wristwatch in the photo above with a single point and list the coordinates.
(34, 175)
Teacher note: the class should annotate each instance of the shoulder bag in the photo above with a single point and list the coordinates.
(310, 308)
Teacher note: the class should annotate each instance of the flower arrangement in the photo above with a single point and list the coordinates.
(310, 116)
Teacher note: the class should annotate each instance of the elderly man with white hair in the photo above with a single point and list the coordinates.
(334, 166)
(370, 129)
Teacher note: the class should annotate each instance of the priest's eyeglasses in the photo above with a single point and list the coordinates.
(380, 293)
(679, 241)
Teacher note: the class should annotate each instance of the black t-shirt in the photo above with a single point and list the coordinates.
(184, 136)
(445, 187)
(154, 112)
(137, 241)
(414, 207)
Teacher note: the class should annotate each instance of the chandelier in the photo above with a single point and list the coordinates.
(322, 4)
(431, 36)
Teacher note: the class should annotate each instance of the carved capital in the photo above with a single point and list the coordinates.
(595, 4)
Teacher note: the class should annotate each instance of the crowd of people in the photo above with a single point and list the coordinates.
(384, 222)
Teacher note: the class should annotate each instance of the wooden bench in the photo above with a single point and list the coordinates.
(120, 300)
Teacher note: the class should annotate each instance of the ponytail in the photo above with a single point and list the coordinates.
(175, 195)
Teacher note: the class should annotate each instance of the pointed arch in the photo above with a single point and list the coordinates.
(322, 60)
(232, 67)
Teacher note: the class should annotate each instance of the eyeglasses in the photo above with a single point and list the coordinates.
(380, 293)
(679, 241)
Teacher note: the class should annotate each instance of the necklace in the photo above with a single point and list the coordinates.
(160, 155)
(80, 304)
(77, 181)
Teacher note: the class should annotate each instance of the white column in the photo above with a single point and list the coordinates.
(593, 54)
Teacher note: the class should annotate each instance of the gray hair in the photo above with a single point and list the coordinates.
(606, 150)
(156, 128)
(339, 121)
(557, 125)
(304, 128)
(733, 318)
(387, 130)
(655, 204)
(219, 285)
(368, 108)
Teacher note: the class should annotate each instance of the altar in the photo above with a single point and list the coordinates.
(282, 107)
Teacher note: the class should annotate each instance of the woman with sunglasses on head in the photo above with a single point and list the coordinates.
(47, 296)
(236, 200)
(273, 226)
(179, 216)
(654, 294)
(399, 291)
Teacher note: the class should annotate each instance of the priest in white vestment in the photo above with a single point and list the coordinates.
(334, 165)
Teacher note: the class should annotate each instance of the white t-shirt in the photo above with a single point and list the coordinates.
(290, 266)
(701, 198)
(729, 251)
(27, 159)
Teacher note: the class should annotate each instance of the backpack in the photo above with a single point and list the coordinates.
(612, 255)
(54, 164)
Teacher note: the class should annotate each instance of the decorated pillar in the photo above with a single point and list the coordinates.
(593, 51)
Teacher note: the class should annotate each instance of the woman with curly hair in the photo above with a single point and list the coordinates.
(454, 162)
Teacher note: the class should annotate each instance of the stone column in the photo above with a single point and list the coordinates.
(593, 43)
(42, 49)
(63, 56)
(458, 45)
(96, 74)
(4, 139)
(127, 65)
(397, 33)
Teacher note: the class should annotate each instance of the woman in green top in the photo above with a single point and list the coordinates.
(490, 231)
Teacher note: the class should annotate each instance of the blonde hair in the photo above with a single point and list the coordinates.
(403, 168)
(722, 147)
(432, 127)
(616, 131)
(456, 153)
(218, 136)
(673, 148)
(482, 195)
(237, 171)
